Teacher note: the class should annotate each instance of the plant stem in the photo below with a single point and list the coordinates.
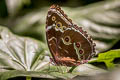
(28, 78)
(71, 69)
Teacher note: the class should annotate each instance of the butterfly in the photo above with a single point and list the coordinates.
(69, 44)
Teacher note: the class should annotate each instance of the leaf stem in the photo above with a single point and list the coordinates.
(28, 78)
(71, 69)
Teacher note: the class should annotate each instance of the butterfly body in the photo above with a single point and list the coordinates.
(68, 43)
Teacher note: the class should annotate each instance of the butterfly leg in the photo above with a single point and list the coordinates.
(60, 67)
(66, 69)
(56, 64)
(49, 67)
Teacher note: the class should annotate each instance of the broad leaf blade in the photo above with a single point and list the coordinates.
(23, 56)
(20, 52)
(88, 70)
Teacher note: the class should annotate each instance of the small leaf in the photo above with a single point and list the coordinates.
(108, 58)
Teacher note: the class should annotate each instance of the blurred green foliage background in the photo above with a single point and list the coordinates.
(99, 17)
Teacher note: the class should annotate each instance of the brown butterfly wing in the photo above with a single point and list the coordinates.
(69, 50)
(51, 34)
(68, 43)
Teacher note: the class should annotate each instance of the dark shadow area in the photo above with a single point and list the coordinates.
(100, 65)
(116, 46)
(33, 78)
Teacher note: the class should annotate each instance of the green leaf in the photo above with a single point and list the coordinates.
(108, 58)
(23, 56)
(88, 70)
(20, 53)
